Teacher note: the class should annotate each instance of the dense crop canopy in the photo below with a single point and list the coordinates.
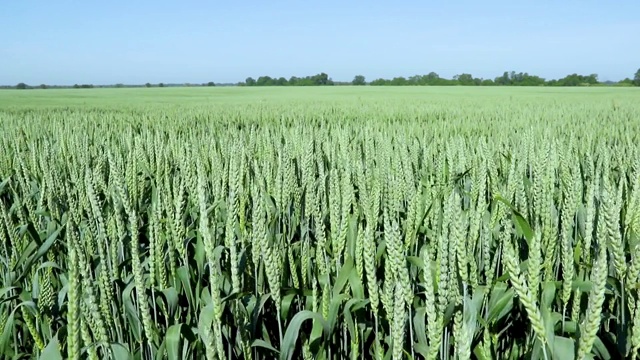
(465, 225)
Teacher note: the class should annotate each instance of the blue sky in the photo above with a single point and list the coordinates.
(106, 42)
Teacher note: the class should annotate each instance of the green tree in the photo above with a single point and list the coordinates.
(161, 85)
(250, 81)
(636, 78)
(399, 81)
(464, 79)
(504, 79)
(147, 85)
(264, 81)
(625, 82)
(211, 83)
(359, 80)
(321, 79)
(577, 80)
(431, 78)
(21, 86)
(415, 80)
(379, 82)
(43, 86)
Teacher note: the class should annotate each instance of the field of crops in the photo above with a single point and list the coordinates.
(397, 223)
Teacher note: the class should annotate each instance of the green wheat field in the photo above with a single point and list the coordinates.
(320, 223)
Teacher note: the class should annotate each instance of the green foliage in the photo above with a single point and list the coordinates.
(359, 80)
(315, 80)
(519, 79)
(575, 80)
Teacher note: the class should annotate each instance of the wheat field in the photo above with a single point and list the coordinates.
(397, 223)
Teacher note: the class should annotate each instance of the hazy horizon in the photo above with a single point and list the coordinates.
(194, 42)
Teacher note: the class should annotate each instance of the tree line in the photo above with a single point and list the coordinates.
(23, 86)
(507, 79)
(432, 79)
(315, 80)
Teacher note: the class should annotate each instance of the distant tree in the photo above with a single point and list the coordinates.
(636, 78)
(315, 80)
(211, 83)
(487, 82)
(399, 81)
(161, 85)
(380, 82)
(464, 79)
(21, 86)
(321, 79)
(359, 80)
(147, 85)
(264, 81)
(305, 81)
(505, 79)
(76, 86)
(519, 79)
(43, 86)
(414, 80)
(625, 82)
(431, 78)
(118, 85)
(576, 80)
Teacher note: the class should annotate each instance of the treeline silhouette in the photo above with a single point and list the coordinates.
(315, 80)
(431, 79)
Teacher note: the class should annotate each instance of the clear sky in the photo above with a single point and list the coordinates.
(107, 42)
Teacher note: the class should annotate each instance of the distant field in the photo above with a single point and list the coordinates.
(236, 95)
